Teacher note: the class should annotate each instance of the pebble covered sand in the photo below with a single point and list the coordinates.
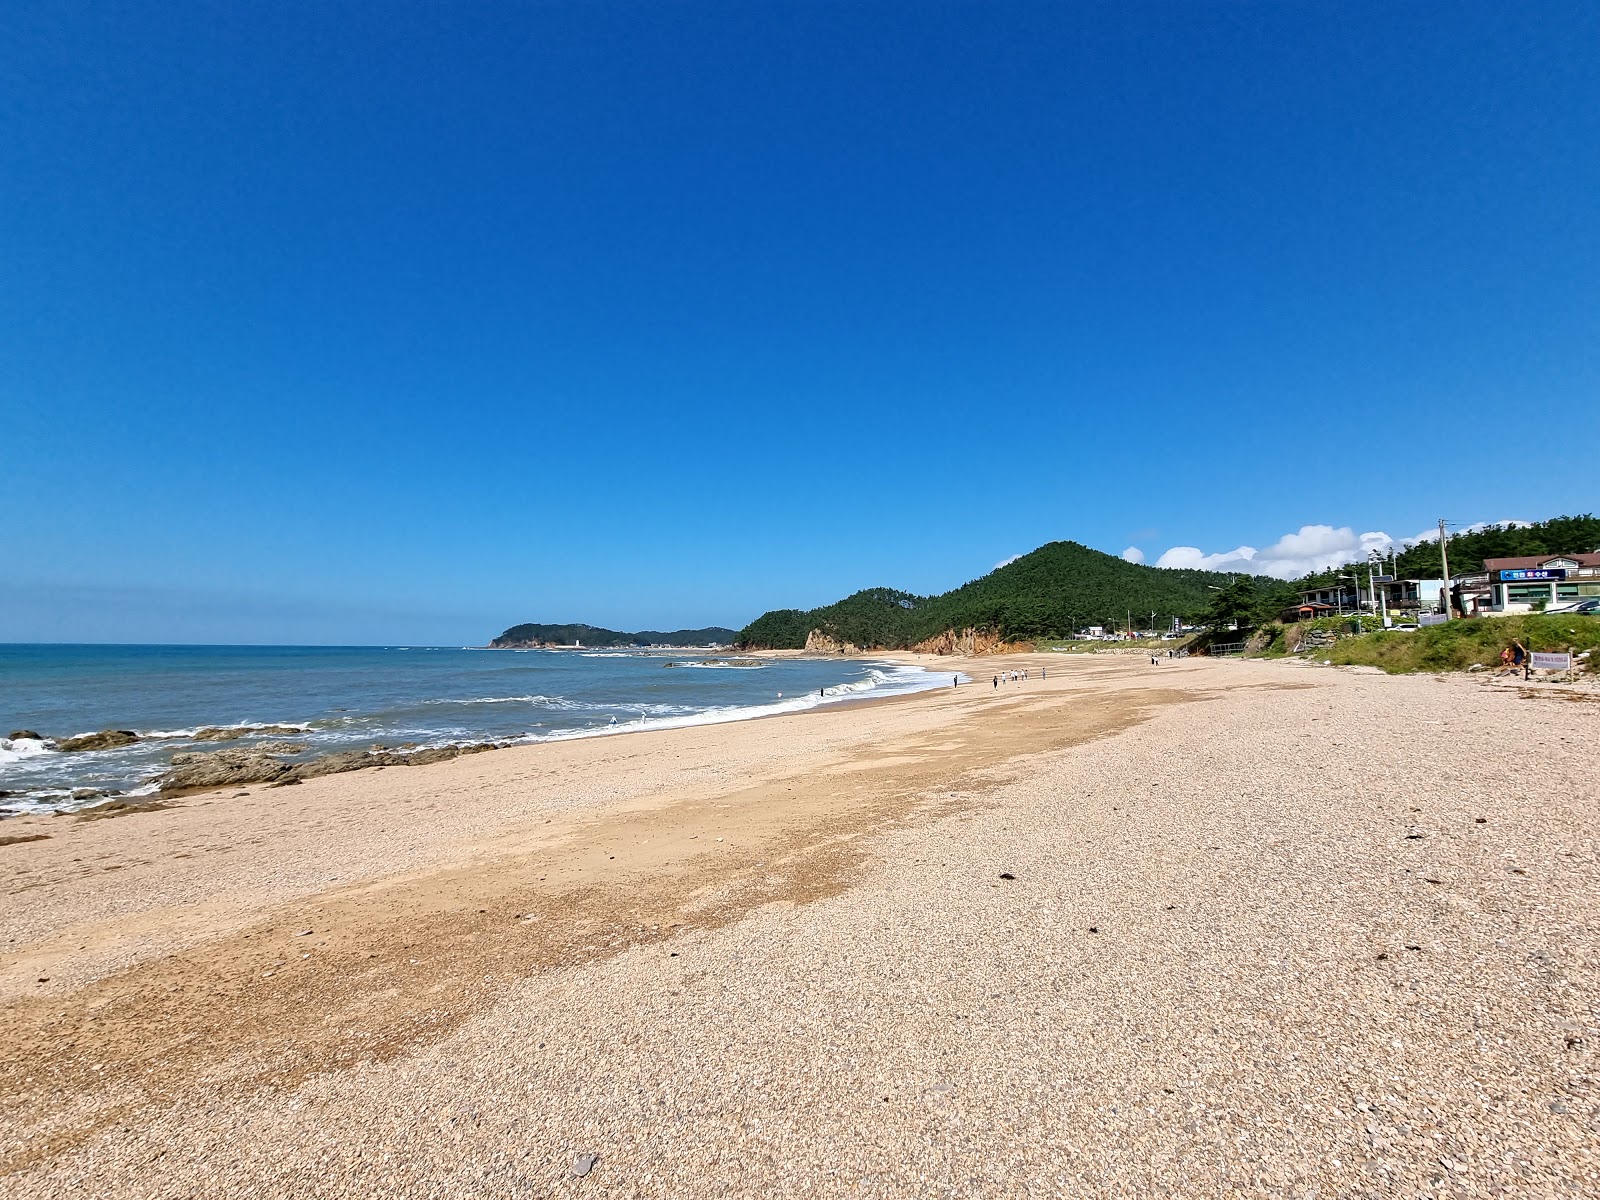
(1271, 930)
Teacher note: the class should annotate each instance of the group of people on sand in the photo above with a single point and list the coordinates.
(1010, 677)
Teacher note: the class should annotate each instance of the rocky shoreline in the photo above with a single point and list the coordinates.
(197, 771)
(191, 771)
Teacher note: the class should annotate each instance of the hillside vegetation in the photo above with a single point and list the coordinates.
(1462, 644)
(1051, 593)
(530, 634)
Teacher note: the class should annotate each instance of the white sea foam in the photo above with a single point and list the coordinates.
(250, 728)
(890, 678)
(721, 666)
(16, 749)
(556, 702)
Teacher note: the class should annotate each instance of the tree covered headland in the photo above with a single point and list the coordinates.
(530, 634)
(1063, 587)
(1055, 591)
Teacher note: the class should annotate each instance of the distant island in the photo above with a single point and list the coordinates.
(532, 636)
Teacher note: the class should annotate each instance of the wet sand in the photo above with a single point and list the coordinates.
(779, 957)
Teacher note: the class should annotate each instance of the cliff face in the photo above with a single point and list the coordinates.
(970, 643)
(818, 642)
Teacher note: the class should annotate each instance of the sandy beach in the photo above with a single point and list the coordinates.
(1194, 929)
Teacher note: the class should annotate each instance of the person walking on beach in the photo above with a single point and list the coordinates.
(1519, 658)
(997, 683)
(955, 680)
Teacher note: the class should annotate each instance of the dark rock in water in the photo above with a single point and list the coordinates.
(26, 733)
(106, 739)
(89, 793)
(232, 733)
(279, 748)
(193, 770)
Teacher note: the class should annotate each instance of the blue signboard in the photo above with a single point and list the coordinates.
(1531, 575)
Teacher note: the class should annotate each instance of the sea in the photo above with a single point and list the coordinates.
(355, 697)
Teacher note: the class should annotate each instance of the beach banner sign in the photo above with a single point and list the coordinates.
(1551, 662)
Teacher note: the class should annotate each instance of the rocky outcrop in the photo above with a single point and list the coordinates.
(232, 733)
(18, 734)
(818, 642)
(106, 739)
(970, 643)
(196, 770)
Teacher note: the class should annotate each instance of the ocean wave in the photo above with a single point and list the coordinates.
(605, 654)
(249, 727)
(892, 678)
(720, 666)
(16, 749)
(556, 702)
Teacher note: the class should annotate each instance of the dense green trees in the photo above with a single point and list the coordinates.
(1559, 535)
(1052, 592)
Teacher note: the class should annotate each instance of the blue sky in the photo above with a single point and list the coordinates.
(404, 322)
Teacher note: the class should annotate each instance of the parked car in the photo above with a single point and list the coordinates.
(1405, 626)
(1580, 608)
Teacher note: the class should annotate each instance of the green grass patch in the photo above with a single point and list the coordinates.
(1460, 645)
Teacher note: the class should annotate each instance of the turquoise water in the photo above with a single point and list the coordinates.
(353, 697)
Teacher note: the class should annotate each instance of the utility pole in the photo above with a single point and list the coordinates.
(1444, 562)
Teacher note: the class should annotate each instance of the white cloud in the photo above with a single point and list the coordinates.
(1005, 562)
(1133, 554)
(1312, 548)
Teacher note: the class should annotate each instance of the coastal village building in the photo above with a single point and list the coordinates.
(1339, 598)
(1516, 585)
(1413, 595)
(1469, 592)
(1397, 596)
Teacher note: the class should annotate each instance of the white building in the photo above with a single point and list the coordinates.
(1516, 585)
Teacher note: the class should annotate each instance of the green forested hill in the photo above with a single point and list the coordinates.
(531, 634)
(1059, 588)
(1559, 535)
